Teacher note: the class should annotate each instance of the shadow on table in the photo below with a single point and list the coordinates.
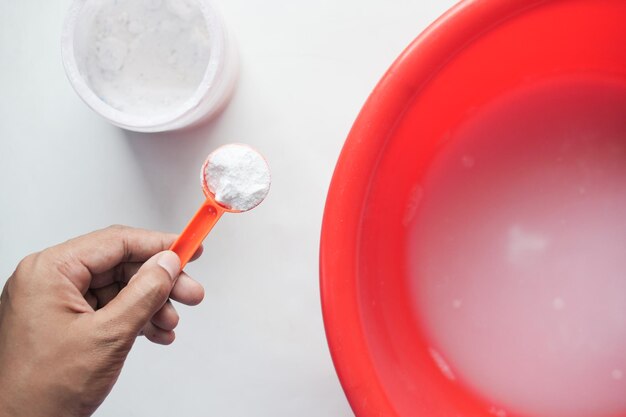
(170, 162)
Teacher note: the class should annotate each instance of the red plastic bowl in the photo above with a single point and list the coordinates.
(472, 55)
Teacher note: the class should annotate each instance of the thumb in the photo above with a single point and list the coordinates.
(146, 292)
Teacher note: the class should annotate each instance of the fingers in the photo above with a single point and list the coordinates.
(145, 293)
(158, 335)
(161, 328)
(91, 300)
(187, 290)
(166, 318)
(104, 295)
(158, 329)
(80, 258)
(123, 272)
(197, 254)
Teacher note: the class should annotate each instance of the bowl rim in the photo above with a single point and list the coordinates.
(339, 242)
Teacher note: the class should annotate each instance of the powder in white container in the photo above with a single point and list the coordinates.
(145, 57)
(238, 176)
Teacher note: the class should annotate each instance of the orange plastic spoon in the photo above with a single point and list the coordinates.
(200, 224)
(205, 218)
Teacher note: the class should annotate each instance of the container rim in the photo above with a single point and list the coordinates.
(217, 40)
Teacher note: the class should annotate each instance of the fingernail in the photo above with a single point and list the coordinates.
(169, 261)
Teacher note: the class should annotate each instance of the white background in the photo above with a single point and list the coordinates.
(255, 346)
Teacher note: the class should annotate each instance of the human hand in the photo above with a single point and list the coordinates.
(70, 314)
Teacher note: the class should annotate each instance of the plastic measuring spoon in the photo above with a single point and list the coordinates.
(211, 210)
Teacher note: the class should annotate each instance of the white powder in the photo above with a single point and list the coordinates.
(144, 57)
(238, 176)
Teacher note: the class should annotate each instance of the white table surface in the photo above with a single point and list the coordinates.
(256, 345)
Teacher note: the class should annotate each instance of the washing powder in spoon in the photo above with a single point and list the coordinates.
(237, 176)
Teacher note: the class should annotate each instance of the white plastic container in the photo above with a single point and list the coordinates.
(171, 72)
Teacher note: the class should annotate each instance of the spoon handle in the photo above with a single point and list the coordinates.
(196, 230)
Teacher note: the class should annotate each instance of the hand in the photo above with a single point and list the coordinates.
(70, 314)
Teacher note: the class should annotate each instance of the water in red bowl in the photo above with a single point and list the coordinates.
(518, 251)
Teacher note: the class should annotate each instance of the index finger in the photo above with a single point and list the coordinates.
(80, 258)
